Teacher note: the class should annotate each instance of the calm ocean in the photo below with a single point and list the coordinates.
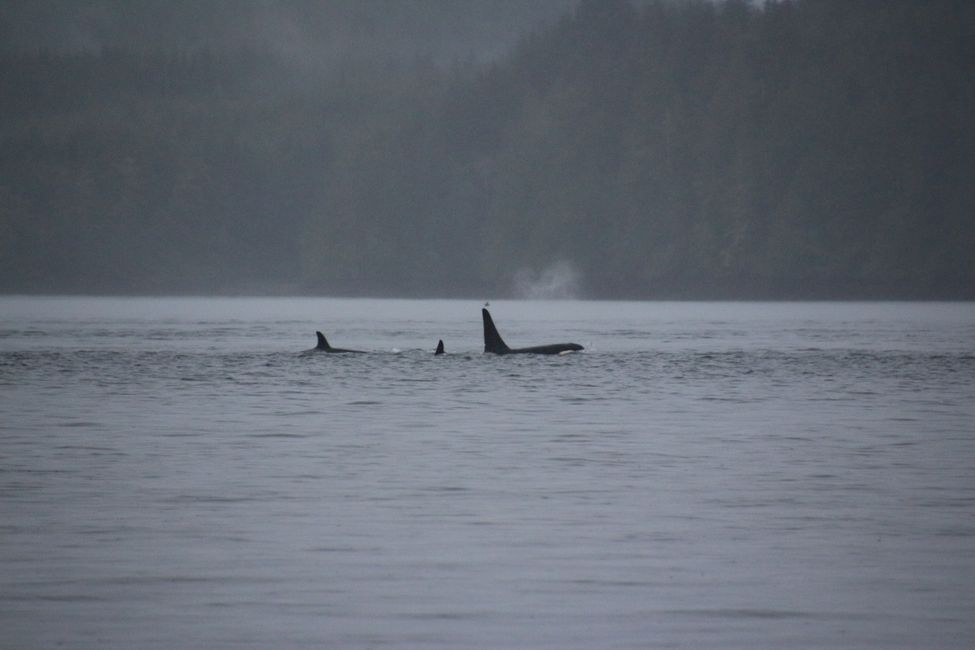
(180, 473)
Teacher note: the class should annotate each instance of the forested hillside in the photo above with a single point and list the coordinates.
(800, 149)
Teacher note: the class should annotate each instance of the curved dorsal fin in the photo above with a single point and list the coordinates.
(322, 343)
(492, 340)
(439, 347)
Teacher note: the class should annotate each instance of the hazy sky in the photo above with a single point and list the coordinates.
(301, 27)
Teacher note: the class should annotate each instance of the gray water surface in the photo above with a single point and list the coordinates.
(178, 473)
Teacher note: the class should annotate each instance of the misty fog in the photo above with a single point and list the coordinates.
(492, 148)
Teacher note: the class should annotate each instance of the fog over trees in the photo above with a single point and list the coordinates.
(651, 149)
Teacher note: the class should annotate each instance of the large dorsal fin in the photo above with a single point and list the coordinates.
(492, 340)
(439, 347)
(322, 343)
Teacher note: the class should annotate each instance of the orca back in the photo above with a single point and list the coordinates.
(495, 344)
(323, 346)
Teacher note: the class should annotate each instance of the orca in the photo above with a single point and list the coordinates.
(439, 347)
(323, 346)
(495, 344)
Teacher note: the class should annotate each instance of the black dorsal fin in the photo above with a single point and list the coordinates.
(322, 343)
(439, 347)
(492, 340)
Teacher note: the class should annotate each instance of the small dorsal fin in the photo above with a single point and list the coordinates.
(492, 340)
(439, 347)
(322, 342)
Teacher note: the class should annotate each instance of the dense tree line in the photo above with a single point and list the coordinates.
(800, 148)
